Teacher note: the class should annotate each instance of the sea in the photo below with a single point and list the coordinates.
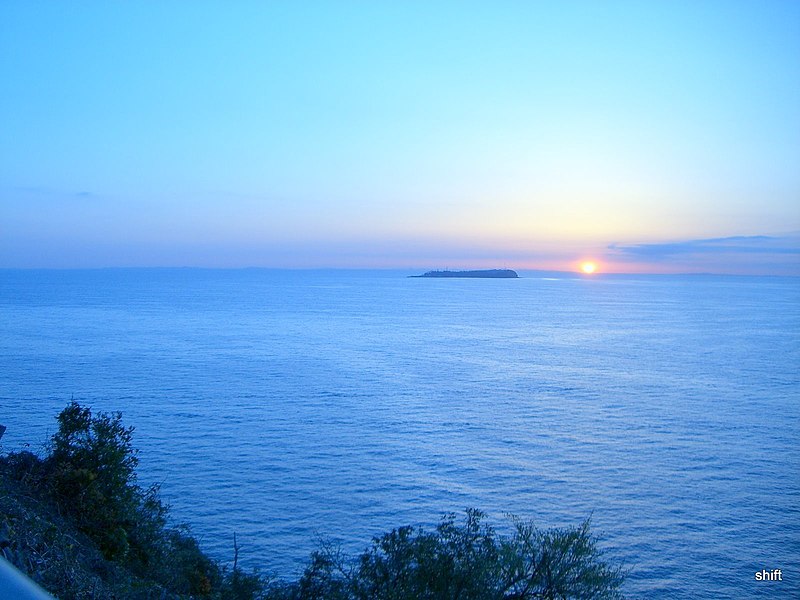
(289, 407)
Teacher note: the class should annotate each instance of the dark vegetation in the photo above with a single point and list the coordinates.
(77, 522)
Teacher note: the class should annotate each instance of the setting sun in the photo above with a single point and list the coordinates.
(588, 267)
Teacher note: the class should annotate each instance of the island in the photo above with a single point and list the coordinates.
(485, 274)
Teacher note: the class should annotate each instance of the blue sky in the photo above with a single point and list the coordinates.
(413, 134)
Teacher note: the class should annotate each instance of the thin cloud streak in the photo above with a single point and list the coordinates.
(31, 193)
(755, 254)
(756, 244)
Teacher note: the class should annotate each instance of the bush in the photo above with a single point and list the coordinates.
(92, 475)
(89, 478)
(466, 561)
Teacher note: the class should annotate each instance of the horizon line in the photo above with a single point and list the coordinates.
(577, 273)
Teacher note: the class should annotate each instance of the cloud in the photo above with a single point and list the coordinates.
(46, 194)
(755, 244)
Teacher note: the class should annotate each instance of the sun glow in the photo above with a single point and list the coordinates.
(588, 267)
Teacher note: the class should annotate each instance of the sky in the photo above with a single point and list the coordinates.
(657, 136)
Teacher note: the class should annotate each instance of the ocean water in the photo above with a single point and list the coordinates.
(287, 405)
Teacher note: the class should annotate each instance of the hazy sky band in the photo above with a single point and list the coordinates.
(410, 134)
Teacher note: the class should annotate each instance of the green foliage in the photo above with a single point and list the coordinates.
(454, 562)
(559, 563)
(468, 561)
(89, 478)
(239, 585)
(92, 475)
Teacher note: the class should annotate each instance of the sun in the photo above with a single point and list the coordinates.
(588, 267)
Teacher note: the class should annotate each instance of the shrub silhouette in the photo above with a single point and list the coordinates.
(92, 474)
(468, 561)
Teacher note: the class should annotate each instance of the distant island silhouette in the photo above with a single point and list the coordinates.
(485, 274)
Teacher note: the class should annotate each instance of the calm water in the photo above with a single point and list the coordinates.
(285, 405)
